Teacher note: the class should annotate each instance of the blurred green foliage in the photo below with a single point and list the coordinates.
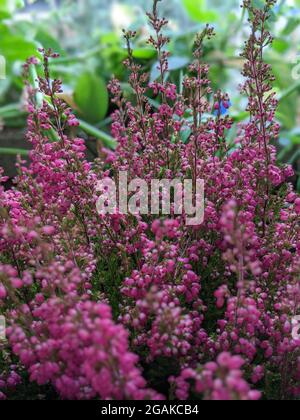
(87, 34)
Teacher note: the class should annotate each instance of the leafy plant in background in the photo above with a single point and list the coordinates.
(117, 306)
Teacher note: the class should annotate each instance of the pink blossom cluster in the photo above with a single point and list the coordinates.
(93, 302)
(215, 381)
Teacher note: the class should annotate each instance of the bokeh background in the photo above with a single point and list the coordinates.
(87, 34)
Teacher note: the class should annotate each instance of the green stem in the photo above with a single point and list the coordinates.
(79, 57)
(34, 81)
(295, 156)
(8, 110)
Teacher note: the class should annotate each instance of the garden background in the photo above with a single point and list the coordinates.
(129, 306)
(86, 34)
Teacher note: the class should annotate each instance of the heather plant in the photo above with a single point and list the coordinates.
(117, 306)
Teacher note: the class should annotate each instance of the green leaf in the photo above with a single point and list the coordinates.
(91, 97)
(11, 109)
(34, 82)
(185, 134)
(239, 116)
(280, 45)
(175, 63)
(107, 140)
(197, 10)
